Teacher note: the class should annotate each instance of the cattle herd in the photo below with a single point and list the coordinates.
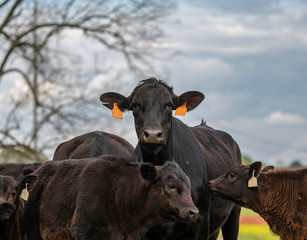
(179, 182)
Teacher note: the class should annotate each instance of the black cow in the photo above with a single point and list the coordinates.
(93, 144)
(106, 198)
(202, 152)
(12, 224)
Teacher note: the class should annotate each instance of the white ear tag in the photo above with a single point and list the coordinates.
(252, 182)
(25, 193)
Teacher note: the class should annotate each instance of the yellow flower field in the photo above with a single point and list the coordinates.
(253, 231)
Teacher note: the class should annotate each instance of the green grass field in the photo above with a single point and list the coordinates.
(252, 231)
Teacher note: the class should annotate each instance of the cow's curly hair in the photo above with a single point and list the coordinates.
(153, 82)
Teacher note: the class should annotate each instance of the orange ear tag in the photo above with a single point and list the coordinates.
(116, 112)
(180, 111)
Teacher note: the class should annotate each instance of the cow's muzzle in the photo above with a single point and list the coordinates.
(190, 214)
(213, 187)
(6, 210)
(153, 136)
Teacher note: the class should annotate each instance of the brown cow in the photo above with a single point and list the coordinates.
(279, 196)
(106, 198)
(93, 144)
(12, 225)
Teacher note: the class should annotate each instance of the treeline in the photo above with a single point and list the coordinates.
(296, 163)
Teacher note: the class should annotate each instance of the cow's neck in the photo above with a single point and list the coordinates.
(165, 154)
(143, 215)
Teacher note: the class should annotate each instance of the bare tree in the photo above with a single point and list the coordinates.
(38, 108)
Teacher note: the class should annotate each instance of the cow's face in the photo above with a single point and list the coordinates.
(152, 103)
(172, 191)
(9, 194)
(234, 185)
(152, 110)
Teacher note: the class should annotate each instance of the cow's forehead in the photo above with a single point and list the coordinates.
(6, 181)
(241, 169)
(172, 169)
(154, 93)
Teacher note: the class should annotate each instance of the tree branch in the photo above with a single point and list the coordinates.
(10, 13)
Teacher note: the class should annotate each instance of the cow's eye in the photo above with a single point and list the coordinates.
(171, 186)
(135, 106)
(14, 194)
(232, 174)
(168, 106)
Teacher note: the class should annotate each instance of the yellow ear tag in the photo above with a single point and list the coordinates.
(180, 111)
(116, 112)
(252, 182)
(25, 193)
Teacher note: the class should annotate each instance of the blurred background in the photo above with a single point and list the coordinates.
(249, 58)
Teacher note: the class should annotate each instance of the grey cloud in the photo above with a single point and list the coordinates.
(261, 7)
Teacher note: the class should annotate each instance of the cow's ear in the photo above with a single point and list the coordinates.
(254, 169)
(189, 99)
(253, 172)
(27, 171)
(148, 172)
(108, 99)
(267, 168)
(28, 182)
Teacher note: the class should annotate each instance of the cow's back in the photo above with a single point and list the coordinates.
(45, 198)
(283, 196)
(220, 150)
(93, 144)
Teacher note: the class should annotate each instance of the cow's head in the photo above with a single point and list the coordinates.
(171, 191)
(152, 103)
(238, 184)
(10, 191)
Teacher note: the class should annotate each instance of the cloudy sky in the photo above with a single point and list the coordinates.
(249, 58)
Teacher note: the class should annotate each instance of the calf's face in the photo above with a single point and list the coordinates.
(9, 194)
(236, 185)
(174, 199)
(152, 102)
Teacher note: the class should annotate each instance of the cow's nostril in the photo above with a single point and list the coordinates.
(193, 214)
(159, 135)
(146, 134)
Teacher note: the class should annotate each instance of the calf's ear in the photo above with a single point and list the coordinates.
(267, 168)
(255, 169)
(28, 182)
(253, 172)
(188, 100)
(148, 171)
(27, 171)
